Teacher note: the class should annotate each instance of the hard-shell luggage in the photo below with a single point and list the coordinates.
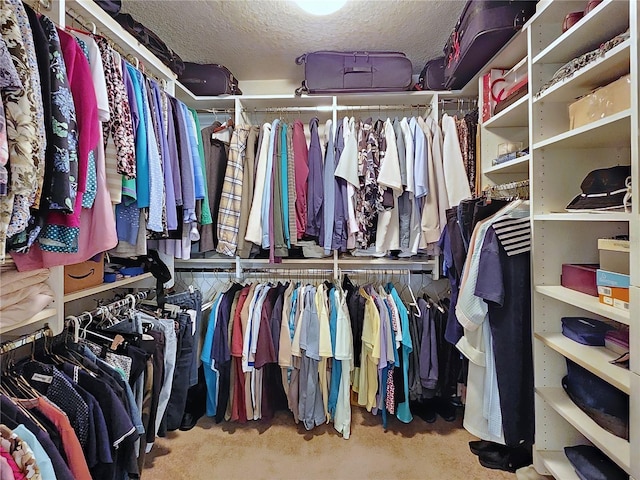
(432, 75)
(209, 80)
(352, 72)
(484, 27)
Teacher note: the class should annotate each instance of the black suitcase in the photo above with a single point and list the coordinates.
(432, 75)
(483, 28)
(209, 80)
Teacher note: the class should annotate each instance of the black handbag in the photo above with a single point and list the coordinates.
(150, 40)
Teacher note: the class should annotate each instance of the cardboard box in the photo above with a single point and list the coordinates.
(614, 255)
(580, 277)
(612, 279)
(612, 302)
(612, 98)
(617, 293)
(84, 275)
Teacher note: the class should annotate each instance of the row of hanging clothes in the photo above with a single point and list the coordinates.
(315, 348)
(95, 154)
(370, 187)
(89, 402)
(486, 247)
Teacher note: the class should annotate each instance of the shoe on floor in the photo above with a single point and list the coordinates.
(479, 446)
(445, 409)
(509, 460)
(424, 410)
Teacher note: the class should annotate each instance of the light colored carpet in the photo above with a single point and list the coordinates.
(283, 450)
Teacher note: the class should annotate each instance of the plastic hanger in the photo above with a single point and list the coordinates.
(413, 297)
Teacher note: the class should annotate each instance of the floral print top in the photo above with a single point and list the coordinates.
(120, 125)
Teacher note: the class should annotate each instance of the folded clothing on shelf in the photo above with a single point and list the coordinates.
(586, 331)
(604, 403)
(591, 464)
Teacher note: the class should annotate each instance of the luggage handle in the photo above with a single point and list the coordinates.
(358, 70)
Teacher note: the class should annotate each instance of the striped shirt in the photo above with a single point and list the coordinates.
(230, 199)
(514, 234)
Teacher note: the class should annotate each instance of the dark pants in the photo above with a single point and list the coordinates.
(184, 357)
(190, 301)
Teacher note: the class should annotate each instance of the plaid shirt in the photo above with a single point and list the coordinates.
(229, 212)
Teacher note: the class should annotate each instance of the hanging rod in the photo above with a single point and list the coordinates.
(110, 307)
(329, 108)
(19, 342)
(216, 110)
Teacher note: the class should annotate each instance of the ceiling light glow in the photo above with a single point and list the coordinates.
(321, 7)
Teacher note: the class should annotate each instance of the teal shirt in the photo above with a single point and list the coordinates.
(285, 184)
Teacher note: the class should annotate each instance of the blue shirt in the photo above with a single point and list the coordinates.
(267, 194)
(402, 410)
(142, 159)
(420, 148)
(285, 185)
(329, 187)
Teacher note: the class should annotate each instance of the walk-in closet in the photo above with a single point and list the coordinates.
(257, 239)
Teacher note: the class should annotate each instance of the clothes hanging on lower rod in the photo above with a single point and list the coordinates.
(124, 382)
(308, 348)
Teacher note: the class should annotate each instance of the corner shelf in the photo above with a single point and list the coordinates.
(612, 19)
(616, 448)
(558, 464)
(611, 131)
(103, 287)
(594, 359)
(515, 115)
(585, 302)
(517, 165)
(614, 64)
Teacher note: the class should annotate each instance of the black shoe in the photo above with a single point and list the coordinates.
(445, 409)
(188, 422)
(424, 410)
(510, 460)
(480, 446)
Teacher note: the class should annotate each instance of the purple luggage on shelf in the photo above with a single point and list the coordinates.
(354, 72)
(483, 28)
(209, 80)
(432, 75)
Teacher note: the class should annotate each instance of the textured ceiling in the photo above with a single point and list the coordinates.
(260, 39)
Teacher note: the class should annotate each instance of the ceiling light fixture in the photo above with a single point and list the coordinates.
(321, 7)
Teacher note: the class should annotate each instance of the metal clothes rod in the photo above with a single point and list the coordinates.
(19, 342)
(329, 108)
(111, 306)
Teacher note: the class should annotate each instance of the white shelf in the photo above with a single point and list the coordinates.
(584, 217)
(517, 165)
(585, 302)
(42, 315)
(611, 131)
(616, 448)
(604, 22)
(515, 115)
(103, 287)
(594, 359)
(610, 67)
(558, 464)
(553, 11)
(223, 102)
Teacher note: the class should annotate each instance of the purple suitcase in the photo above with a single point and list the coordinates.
(483, 28)
(353, 72)
(432, 75)
(209, 80)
